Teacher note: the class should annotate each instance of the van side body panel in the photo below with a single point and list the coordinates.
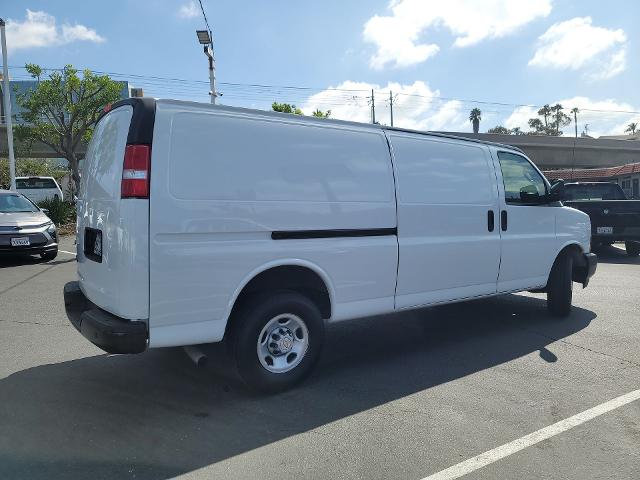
(223, 181)
(120, 283)
(446, 190)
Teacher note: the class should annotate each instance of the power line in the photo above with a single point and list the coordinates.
(160, 82)
(205, 16)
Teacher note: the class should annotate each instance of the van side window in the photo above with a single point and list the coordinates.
(522, 182)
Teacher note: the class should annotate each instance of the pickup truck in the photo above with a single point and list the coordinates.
(614, 218)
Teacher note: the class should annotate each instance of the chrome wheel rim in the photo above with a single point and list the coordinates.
(283, 343)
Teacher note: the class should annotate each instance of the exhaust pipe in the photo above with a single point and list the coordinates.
(196, 355)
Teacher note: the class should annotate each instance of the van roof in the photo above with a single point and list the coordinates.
(308, 119)
(33, 176)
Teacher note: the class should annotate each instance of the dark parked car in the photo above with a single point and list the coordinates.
(614, 218)
(25, 228)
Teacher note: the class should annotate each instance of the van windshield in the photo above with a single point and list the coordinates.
(594, 191)
(16, 203)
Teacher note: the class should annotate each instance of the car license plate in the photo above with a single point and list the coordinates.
(605, 230)
(20, 242)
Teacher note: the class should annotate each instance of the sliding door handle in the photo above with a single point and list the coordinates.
(503, 220)
(491, 223)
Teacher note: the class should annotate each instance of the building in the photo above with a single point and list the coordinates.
(634, 136)
(21, 87)
(37, 150)
(627, 176)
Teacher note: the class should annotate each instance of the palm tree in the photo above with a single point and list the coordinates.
(474, 117)
(575, 112)
(631, 128)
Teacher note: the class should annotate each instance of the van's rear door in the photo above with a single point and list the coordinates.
(113, 232)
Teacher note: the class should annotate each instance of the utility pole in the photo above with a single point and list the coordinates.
(373, 107)
(7, 106)
(391, 105)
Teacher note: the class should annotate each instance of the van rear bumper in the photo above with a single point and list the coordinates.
(105, 330)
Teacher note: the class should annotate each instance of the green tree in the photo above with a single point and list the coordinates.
(285, 108)
(62, 110)
(499, 129)
(631, 128)
(474, 117)
(320, 114)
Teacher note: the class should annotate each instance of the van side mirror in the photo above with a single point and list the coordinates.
(45, 211)
(529, 198)
(556, 192)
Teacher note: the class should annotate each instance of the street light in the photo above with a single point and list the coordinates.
(204, 37)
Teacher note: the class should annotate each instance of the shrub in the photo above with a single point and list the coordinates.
(60, 212)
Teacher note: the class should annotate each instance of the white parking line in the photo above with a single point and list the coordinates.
(70, 253)
(498, 453)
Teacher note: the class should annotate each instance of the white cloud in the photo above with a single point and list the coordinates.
(575, 44)
(398, 37)
(189, 10)
(39, 29)
(416, 106)
(604, 117)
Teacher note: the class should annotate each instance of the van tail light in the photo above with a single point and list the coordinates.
(136, 172)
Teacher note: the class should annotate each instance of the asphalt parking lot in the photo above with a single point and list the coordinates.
(403, 396)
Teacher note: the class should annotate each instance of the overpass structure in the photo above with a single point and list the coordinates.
(551, 153)
(548, 153)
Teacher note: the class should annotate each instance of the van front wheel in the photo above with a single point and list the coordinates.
(560, 286)
(276, 340)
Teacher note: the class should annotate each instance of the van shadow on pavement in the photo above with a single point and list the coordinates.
(155, 415)
(7, 260)
(615, 254)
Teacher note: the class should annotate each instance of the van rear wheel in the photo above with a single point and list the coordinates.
(276, 340)
(560, 286)
(633, 248)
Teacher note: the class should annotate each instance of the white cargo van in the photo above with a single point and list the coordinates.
(200, 223)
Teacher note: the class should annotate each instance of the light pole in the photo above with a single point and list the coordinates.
(206, 39)
(7, 107)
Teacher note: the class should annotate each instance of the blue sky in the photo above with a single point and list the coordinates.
(435, 55)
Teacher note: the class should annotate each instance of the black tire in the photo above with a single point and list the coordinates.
(50, 255)
(633, 248)
(560, 286)
(247, 326)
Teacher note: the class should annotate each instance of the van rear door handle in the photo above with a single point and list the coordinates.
(503, 220)
(490, 220)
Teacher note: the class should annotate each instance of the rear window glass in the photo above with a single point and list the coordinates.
(593, 192)
(35, 183)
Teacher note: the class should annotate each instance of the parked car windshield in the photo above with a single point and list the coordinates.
(595, 191)
(16, 203)
(35, 183)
